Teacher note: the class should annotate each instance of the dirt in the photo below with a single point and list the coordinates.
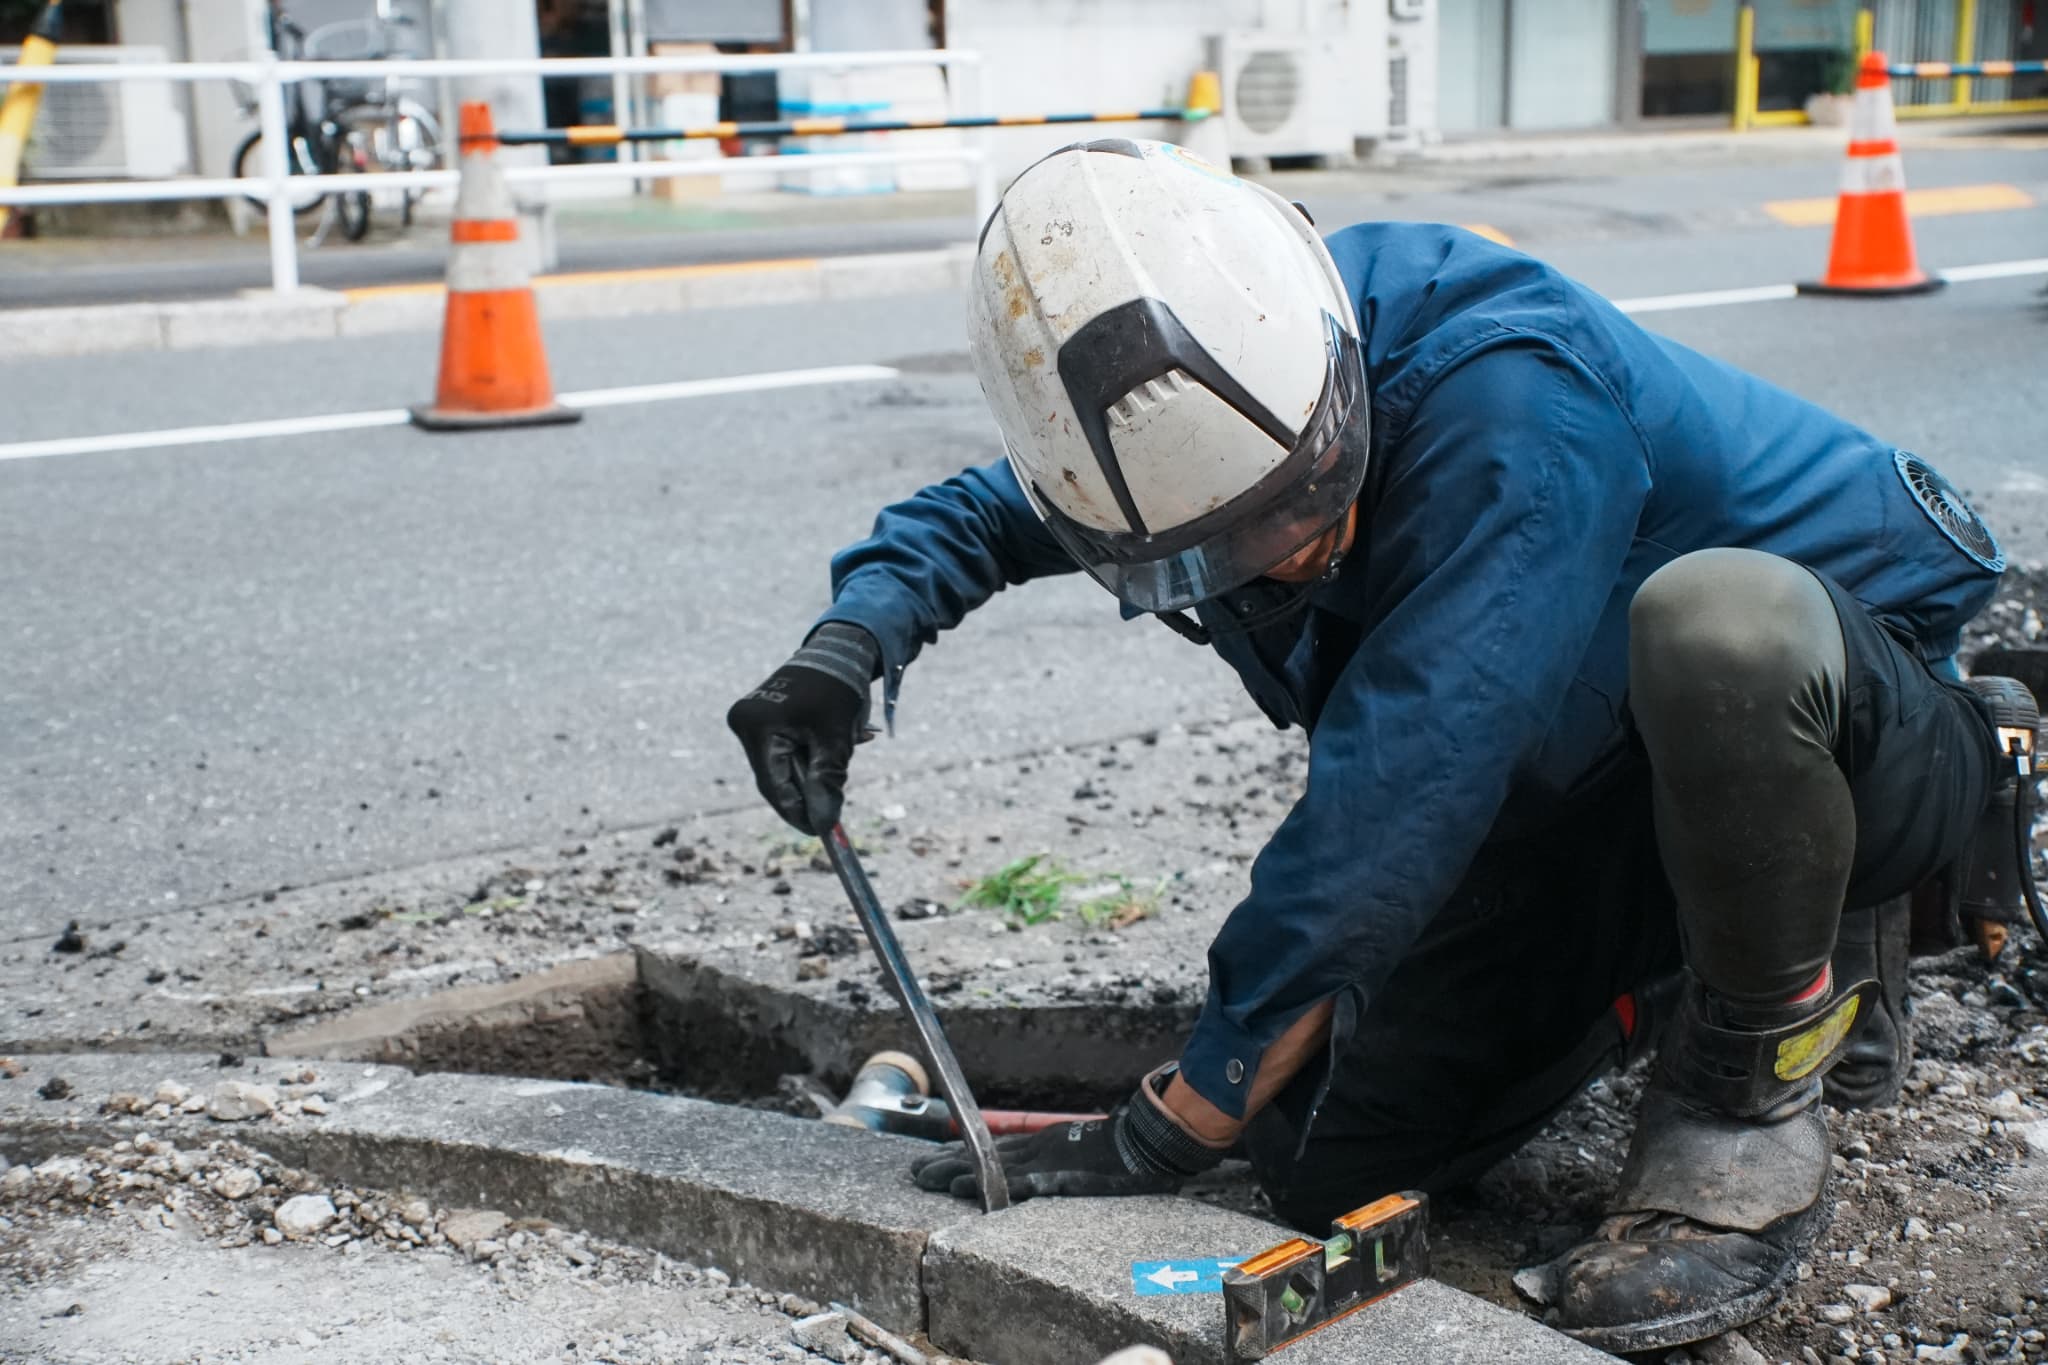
(1941, 1201)
(146, 1252)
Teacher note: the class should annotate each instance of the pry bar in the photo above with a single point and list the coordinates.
(988, 1167)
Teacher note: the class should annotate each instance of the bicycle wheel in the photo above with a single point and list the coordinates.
(352, 207)
(249, 165)
(354, 210)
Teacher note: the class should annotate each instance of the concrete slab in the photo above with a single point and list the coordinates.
(754, 284)
(380, 313)
(1049, 1282)
(910, 272)
(632, 292)
(37, 332)
(251, 320)
(801, 1206)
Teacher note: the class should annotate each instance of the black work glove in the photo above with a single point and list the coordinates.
(1139, 1149)
(800, 726)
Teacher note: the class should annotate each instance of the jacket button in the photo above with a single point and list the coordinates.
(1233, 1071)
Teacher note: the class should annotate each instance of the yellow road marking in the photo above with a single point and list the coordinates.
(1489, 232)
(1919, 204)
(573, 278)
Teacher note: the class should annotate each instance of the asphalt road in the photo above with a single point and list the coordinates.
(229, 667)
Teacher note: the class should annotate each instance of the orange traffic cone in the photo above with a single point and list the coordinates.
(494, 368)
(1873, 245)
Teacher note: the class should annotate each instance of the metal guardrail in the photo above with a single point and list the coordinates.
(1936, 70)
(276, 185)
(611, 135)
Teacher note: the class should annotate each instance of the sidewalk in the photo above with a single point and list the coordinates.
(61, 296)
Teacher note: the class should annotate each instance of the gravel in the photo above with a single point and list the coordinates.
(143, 1253)
(1942, 1200)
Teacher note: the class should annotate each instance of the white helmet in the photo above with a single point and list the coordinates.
(1174, 365)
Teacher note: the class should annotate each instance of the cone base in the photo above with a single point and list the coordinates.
(431, 418)
(1926, 284)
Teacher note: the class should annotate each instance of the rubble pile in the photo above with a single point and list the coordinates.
(233, 1196)
(1939, 1246)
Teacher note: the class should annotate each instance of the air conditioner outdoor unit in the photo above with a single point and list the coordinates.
(106, 130)
(1411, 75)
(1283, 95)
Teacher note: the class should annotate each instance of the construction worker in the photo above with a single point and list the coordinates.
(1628, 685)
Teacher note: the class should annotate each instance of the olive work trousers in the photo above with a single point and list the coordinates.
(1790, 760)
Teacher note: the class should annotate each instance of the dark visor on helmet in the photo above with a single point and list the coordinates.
(1297, 501)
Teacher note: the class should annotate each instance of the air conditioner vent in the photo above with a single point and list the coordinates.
(106, 130)
(1291, 95)
(77, 125)
(1268, 89)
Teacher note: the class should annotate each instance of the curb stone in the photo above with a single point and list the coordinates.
(784, 1202)
(1049, 1282)
(258, 317)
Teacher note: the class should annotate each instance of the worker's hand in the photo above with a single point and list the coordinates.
(799, 727)
(1139, 1149)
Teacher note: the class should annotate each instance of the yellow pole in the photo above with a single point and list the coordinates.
(18, 110)
(1745, 68)
(1966, 46)
(1866, 33)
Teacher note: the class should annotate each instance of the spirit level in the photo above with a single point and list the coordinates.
(1301, 1286)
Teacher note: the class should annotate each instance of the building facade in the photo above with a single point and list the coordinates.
(1323, 79)
(1545, 65)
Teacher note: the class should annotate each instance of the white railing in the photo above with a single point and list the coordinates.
(276, 186)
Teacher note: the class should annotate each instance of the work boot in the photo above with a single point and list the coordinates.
(1872, 945)
(1723, 1189)
(1993, 885)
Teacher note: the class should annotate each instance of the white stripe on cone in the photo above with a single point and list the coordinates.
(1882, 174)
(474, 267)
(1871, 118)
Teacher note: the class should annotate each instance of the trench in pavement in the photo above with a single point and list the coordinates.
(662, 1021)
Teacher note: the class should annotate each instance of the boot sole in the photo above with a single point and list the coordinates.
(1658, 1334)
(1683, 1329)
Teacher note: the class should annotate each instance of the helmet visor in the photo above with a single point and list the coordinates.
(1297, 501)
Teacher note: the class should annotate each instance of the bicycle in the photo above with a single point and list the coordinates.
(361, 125)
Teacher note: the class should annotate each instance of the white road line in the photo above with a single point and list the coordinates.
(789, 379)
(194, 436)
(392, 417)
(1767, 293)
(1712, 298)
(745, 383)
(1997, 270)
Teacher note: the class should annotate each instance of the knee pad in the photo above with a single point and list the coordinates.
(1731, 618)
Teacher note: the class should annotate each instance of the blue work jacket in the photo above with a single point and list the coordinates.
(1535, 456)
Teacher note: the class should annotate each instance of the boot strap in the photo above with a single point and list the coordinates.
(1748, 1073)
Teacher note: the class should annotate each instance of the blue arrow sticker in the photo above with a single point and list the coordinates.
(1203, 1276)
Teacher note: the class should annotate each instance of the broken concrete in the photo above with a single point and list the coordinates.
(787, 1203)
(807, 1207)
(802, 1206)
(1050, 1282)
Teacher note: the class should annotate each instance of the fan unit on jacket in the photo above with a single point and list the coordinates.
(1284, 95)
(105, 130)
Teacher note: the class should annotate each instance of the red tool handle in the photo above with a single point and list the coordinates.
(1019, 1122)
